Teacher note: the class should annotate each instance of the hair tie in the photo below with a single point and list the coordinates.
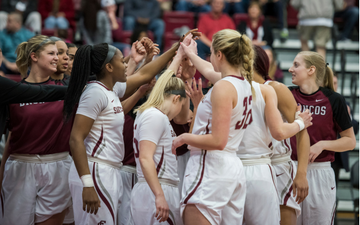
(326, 64)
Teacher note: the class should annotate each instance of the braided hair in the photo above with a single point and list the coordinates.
(88, 60)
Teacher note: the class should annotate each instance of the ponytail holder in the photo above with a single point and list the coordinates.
(326, 64)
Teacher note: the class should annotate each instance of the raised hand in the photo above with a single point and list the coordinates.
(138, 51)
(195, 92)
(191, 49)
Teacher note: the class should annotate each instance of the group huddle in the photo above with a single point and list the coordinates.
(254, 157)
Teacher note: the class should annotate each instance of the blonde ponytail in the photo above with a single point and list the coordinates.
(328, 79)
(238, 51)
(163, 88)
(35, 44)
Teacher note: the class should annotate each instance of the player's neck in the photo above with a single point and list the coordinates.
(57, 76)
(165, 108)
(257, 78)
(229, 70)
(309, 88)
(37, 76)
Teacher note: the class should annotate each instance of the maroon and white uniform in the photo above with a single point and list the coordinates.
(285, 170)
(35, 175)
(154, 126)
(330, 116)
(214, 180)
(128, 172)
(255, 154)
(105, 150)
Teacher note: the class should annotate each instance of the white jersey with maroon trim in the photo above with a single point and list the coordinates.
(105, 139)
(240, 115)
(280, 147)
(257, 137)
(153, 125)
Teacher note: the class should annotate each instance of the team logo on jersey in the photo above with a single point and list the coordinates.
(102, 222)
(31, 103)
(316, 110)
(118, 109)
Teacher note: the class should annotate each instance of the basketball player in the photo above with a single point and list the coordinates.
(214, 184)
(255, 153)
(156, 195)
(315, 92)
(96, 140)
(292, 187)
(36, 156)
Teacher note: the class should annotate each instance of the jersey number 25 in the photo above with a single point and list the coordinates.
(247, 115)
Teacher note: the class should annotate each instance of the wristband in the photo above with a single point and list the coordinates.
(301, 124)
(87, 180)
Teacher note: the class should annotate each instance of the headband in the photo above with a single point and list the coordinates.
(53, 38)
(182, 93)
(110, 55)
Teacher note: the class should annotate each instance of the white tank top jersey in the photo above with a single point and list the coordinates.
(257, 138)
(280, 147)
(105, 140)
(240, 115)
(153, 125)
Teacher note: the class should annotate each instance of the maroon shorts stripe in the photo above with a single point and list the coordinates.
(98, 143)
(333, 216)
(160, 162)
(101, 195)
(287, 145)
(198, 184)
(287, 196)
(170, 222)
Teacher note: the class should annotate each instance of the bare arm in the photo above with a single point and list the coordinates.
(345, 143)
(80, 130)
(278, 129)
(147, 151)
(287, 107)
(222, 106)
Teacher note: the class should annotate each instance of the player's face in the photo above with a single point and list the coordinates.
(48, 59)
(72, 52)
(299, 71)
(119, 66)
(63, 55)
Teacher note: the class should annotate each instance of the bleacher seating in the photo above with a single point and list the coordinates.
(175, 20)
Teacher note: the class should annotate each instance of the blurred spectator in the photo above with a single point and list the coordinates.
(95, 26)
(256, 27)
(110, 7)
(350, 15)
(236, 6)
(275, 72)
(144, 13)
(72, 51)
(316, 21)
(138, 34)
(58, 13)
(210, 23)
(10, 38)
(2, 74)
(165, 5)
(195, 6)
(28, 9)
(275, 8)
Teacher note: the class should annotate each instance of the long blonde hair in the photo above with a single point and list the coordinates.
(35, 44)
(162, 89)
(238, 51)
(324, 74)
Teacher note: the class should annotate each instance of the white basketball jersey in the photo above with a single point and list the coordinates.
(257, 137)
(240, 116)
(280, 147)
(153, 125)
(105, 140)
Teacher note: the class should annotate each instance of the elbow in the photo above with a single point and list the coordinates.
(278, 135)
(353, 143)
(72, 142)
(221, 145)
